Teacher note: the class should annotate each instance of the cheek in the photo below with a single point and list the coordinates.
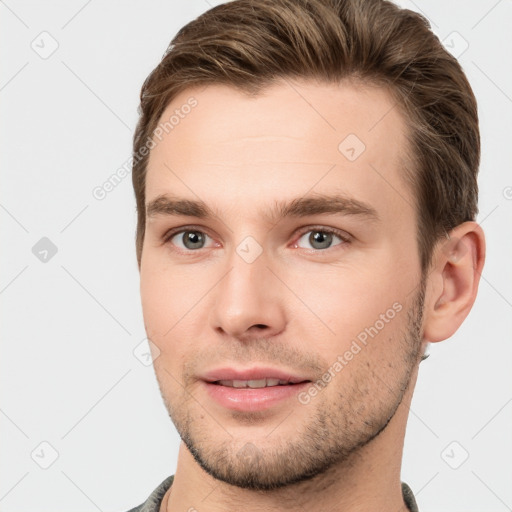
(159, 298)
(174, 315)
(345, 300)
(160, 308)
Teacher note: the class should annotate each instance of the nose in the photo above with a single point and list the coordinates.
(247, 301)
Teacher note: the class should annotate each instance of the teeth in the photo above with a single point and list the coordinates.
(260, 383)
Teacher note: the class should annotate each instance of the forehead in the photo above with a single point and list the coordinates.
(292, 137)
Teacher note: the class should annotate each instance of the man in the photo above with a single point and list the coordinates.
(306, 182)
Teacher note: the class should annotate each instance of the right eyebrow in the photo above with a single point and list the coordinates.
(165, 205)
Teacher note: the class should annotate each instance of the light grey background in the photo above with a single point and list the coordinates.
(69, 375)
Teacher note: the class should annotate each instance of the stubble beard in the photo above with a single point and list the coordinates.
(332, 435)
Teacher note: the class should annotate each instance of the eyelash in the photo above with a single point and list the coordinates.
(342, 235)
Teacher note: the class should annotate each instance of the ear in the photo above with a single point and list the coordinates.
(452, 283)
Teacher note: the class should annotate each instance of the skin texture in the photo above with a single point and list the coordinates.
(296, 306)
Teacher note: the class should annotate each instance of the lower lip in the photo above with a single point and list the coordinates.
(252, 399)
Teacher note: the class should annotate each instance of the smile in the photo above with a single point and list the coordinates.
(260, 383)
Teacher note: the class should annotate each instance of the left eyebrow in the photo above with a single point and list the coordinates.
(299, 207)
(322, 203)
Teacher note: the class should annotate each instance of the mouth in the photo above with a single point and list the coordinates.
(256, 377)
(256, 384)
(253, 389)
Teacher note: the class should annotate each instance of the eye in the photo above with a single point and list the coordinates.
(189, 239)
(320, 239)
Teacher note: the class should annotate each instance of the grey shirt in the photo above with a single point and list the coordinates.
(152, 504)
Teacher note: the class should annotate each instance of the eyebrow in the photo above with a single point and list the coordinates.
(166, 205)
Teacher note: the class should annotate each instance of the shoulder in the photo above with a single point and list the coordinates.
(152, 504)
(409, 498)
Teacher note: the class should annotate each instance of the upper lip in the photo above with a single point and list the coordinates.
(256, 373)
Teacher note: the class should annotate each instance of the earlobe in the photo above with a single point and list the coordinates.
(453, 282)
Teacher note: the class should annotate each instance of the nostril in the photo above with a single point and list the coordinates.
(260, 326)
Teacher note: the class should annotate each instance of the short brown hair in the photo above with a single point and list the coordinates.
(250, 44)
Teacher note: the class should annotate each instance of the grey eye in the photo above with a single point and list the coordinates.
(189, 240)
(318, 239)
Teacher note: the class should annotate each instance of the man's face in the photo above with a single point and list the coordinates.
(277, 280)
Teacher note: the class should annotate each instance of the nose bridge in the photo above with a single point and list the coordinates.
(245, 283)
(244, 298)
